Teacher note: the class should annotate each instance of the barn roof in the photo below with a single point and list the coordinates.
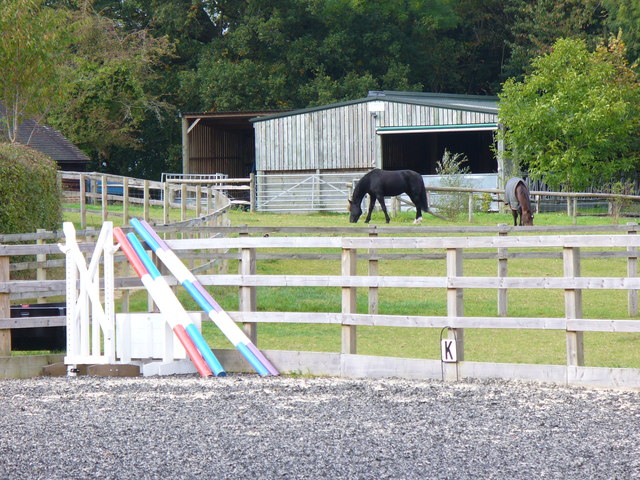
(472, 103)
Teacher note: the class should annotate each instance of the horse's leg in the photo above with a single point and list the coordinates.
(417, 203)
(372, 203)
(515, 217)
(384, 208)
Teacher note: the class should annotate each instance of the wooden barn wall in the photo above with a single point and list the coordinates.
(215, 150)
(342, 138)
(328, 139)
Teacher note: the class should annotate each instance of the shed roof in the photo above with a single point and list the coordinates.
(473, 103)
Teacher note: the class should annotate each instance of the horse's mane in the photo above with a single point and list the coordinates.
(360, 190)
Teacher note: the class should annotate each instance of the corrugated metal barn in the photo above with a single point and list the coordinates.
(304, 159)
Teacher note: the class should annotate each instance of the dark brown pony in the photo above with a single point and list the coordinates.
(517, 197)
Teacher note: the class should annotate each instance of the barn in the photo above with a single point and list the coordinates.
(305, 159)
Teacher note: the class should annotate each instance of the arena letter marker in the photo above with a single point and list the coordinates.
(221, 318)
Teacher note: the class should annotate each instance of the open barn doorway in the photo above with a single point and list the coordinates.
(420, 150)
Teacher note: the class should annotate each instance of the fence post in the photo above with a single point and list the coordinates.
(252, 192)
(455, 308)
(373, 272)
(198, 200)
(247, 299)
(471, 207)
(5, 309)
(166, 202)
(105, 200)
(41, 272)
(632, 271)
(573, 306)
(349, 300)
(502, 272)
(183, 201)
(125, 201)
(146, 201)
(83, 203)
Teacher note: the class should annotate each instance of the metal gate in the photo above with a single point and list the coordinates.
(304, 192)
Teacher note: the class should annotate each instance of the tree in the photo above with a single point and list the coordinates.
(537, 24)
(575, 120)
(624, 15)
(109, 78)
(33, 44)
(298, 53)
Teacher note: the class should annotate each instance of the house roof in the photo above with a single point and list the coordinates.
(50, 142)
(473, 103)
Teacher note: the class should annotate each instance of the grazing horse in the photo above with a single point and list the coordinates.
(517, 197)
(388, 183)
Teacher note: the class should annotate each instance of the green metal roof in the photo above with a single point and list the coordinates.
(473, 103)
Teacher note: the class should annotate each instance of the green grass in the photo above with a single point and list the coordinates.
(494, 345)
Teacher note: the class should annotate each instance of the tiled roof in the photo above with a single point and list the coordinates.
(50, 142)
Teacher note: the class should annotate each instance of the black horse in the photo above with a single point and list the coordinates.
(388, 183)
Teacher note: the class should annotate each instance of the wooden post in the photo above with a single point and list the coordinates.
(198, 204)
(183, 201)
(147, 201)
(502, 272)
(573, 306)
(373, 272)
(252, 192)
(349, 301)
(83, 203)
(247, 301)
(632, 271)
(470, 207)
(105, 200)
(125, 201)
(166, 199)
(5, 309)
(455, 308)
(41, 271)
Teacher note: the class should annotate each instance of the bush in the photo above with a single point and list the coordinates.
(30, 195)
(452, 172)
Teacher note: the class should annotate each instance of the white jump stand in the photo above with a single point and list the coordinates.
(95, 335)
(147, 340)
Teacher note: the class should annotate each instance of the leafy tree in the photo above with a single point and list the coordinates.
(110, 97)
(296, 53)
(575, 120)
(33, 44)
(624, 15)
(537, 24)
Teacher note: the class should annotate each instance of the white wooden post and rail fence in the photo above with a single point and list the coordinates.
(371, 247)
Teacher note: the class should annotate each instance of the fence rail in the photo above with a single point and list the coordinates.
(205, 200)
(455, 250)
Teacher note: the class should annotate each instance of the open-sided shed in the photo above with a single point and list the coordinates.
(325, 147)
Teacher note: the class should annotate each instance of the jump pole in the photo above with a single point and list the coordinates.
(221, 318)
(166, 305)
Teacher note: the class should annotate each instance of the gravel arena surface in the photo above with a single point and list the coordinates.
(247, 427)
